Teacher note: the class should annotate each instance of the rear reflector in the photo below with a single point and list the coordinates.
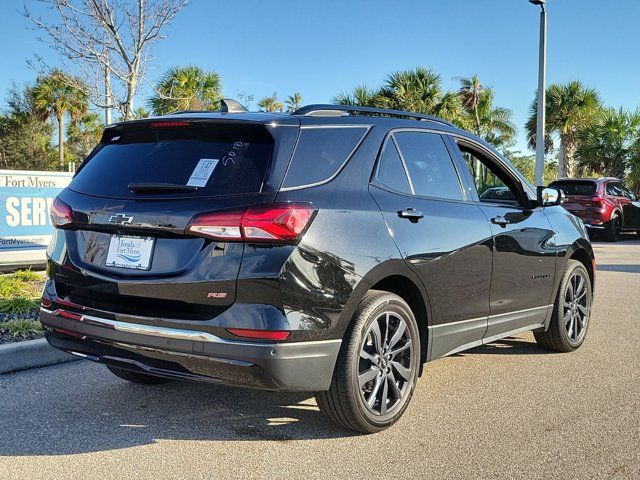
(260, 334)
(277, 222)
(61, 213)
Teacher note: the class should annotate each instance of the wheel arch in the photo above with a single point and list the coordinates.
(585, 256)
(396, 277)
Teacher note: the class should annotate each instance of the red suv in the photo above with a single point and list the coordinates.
(603, 204)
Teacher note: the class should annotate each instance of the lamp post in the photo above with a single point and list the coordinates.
(542, 94)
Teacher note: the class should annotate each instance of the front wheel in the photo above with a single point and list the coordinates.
(571, 312)
(377, 367)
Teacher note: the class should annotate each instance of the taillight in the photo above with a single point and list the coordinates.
(597, 203)
(278, 222)
(260, 334)
(61, 213)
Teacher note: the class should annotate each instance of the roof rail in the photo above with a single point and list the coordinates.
(328, 110)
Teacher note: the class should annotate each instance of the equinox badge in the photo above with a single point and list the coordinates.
(120, 219)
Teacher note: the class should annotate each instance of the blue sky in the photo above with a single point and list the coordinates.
(322, 47)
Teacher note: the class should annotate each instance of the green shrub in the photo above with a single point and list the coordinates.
(21, 328)
(18, 306)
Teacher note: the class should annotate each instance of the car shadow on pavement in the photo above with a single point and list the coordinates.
(509, 346)
(105, 413)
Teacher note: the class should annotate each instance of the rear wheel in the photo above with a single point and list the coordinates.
(377, 368)
(571, 312)
(613, 229)
(136, 377)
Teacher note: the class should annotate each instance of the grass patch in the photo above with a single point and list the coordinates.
(27, 276)
(18, 306)
(21, 328)
(23, 283)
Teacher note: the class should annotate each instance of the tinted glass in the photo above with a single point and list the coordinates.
(615, 188)
(142, 154)
(320, 153)
(430, 167)
(390, 170)
(576, 188)
(490, 187)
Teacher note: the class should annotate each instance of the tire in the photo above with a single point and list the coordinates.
(613, 229)
(345, 403)
(137, 377)
(568, 335)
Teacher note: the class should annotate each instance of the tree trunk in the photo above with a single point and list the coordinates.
(60, 117)
(572, 168)
(475, 111)
(566, 163)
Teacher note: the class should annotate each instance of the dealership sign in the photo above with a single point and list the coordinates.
(25, 200)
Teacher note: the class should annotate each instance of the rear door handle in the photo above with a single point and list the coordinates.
(500, 220)
(411, 214)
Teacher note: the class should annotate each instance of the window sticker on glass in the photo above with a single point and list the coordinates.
(202, 172)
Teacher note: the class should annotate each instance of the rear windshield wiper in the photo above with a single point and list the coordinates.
(149, 187)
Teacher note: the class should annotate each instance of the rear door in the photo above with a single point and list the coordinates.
(442, 236)
(134, 197)
(524, 255)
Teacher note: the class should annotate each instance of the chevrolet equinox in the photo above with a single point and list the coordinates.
(333, 250)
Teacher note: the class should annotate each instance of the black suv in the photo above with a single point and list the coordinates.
(334, 250)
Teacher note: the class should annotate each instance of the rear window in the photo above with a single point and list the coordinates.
(216, 159)
(320, 153)
(576, 188)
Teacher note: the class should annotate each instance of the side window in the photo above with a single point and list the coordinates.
(391, 172)
(615, 189)
(492, 185)
(320, 153)
(429, 165)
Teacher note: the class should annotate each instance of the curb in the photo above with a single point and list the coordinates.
(30, 354)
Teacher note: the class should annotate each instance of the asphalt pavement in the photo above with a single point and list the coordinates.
(506, 410)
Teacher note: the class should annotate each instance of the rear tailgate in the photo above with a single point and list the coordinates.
(127, 250)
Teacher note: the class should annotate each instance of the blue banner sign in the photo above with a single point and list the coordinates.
(25, 200)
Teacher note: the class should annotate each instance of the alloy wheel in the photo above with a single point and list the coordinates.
(385, 373)
(576, 308)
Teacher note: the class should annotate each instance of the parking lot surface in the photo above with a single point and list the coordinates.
(505, 410)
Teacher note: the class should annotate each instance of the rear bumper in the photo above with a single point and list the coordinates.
(193, 355)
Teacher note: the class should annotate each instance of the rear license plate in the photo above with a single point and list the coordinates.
(130, 252)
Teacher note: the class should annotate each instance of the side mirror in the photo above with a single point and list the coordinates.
(549, 196)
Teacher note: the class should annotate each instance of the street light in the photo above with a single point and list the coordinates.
(542, 94)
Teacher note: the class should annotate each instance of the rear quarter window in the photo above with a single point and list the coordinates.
(320, 154)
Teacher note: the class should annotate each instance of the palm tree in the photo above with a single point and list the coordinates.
(607, 145)
(271, 104)
(494, 123)
(569, 109)
(55, 95)
(186, 88)
(361, 96)
(293, 102)
(471, 91)
(418, 90)
(84, 133)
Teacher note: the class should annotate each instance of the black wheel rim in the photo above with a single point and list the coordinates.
(617, 227)
(576, 308)
(385, 367)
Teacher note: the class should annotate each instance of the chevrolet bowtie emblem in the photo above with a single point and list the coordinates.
(120, 219)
